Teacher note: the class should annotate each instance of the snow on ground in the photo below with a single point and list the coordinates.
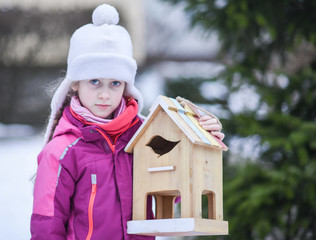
(18, 165)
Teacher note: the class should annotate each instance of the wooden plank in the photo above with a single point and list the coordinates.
(202, 130)
(155, 110)
(161, 169)
(178, 227)
(189, 122)
(214, 140)
(179, 121)
(164, 206)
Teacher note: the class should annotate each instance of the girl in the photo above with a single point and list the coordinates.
(83, 187)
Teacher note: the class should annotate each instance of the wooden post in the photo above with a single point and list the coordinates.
(164, 207)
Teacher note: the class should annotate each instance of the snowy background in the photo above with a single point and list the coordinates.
(18, 160)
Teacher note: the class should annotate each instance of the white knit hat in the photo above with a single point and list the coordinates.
(102, 49)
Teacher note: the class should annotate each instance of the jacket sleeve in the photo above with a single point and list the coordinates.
(53, 189)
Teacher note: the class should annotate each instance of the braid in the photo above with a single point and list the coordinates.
(59, 113)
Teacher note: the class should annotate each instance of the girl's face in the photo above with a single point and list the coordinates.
(100, 96)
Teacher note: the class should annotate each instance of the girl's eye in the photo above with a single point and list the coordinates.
(115, 83)
(95, 82)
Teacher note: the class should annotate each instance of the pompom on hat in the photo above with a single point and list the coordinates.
(101, 49)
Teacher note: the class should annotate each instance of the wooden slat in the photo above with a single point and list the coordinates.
(194, 138)
(202, 130)
(178, 227)
(161, 169)
(189, 122)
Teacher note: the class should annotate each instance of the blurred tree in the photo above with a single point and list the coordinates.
(270, 46)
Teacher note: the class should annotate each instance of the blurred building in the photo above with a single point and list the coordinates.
(53, 23)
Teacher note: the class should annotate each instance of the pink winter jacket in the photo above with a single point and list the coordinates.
(83, 190)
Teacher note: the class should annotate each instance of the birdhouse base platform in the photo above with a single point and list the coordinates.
(178, 227)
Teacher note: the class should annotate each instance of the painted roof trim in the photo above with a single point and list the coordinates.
(194, 133)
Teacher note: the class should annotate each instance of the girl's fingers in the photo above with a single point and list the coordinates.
(211, 126)
(209, 121)
(205, 118)
(218, 134)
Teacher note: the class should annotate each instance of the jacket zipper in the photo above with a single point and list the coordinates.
(133, 123)
(91, 203)
(112, 145)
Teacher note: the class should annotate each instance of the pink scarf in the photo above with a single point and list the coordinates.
(88, 116)
(123, 117)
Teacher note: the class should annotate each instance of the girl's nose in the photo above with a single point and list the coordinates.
(103, 95)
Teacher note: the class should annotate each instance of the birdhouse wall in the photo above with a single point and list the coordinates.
(173, 157)
(188, 170)
(207, 179)
(167, 182)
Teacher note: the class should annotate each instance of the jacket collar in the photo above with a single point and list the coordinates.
(91, 133)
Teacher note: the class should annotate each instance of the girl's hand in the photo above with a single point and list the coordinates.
(212, 125)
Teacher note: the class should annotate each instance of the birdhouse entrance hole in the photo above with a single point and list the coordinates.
(164, 205)
(160, 145)
(208, 205)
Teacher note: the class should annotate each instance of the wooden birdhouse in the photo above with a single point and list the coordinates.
(175, 157)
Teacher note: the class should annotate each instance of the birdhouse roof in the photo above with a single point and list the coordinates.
(184, 118)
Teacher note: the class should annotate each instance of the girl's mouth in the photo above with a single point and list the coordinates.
(102, 106)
